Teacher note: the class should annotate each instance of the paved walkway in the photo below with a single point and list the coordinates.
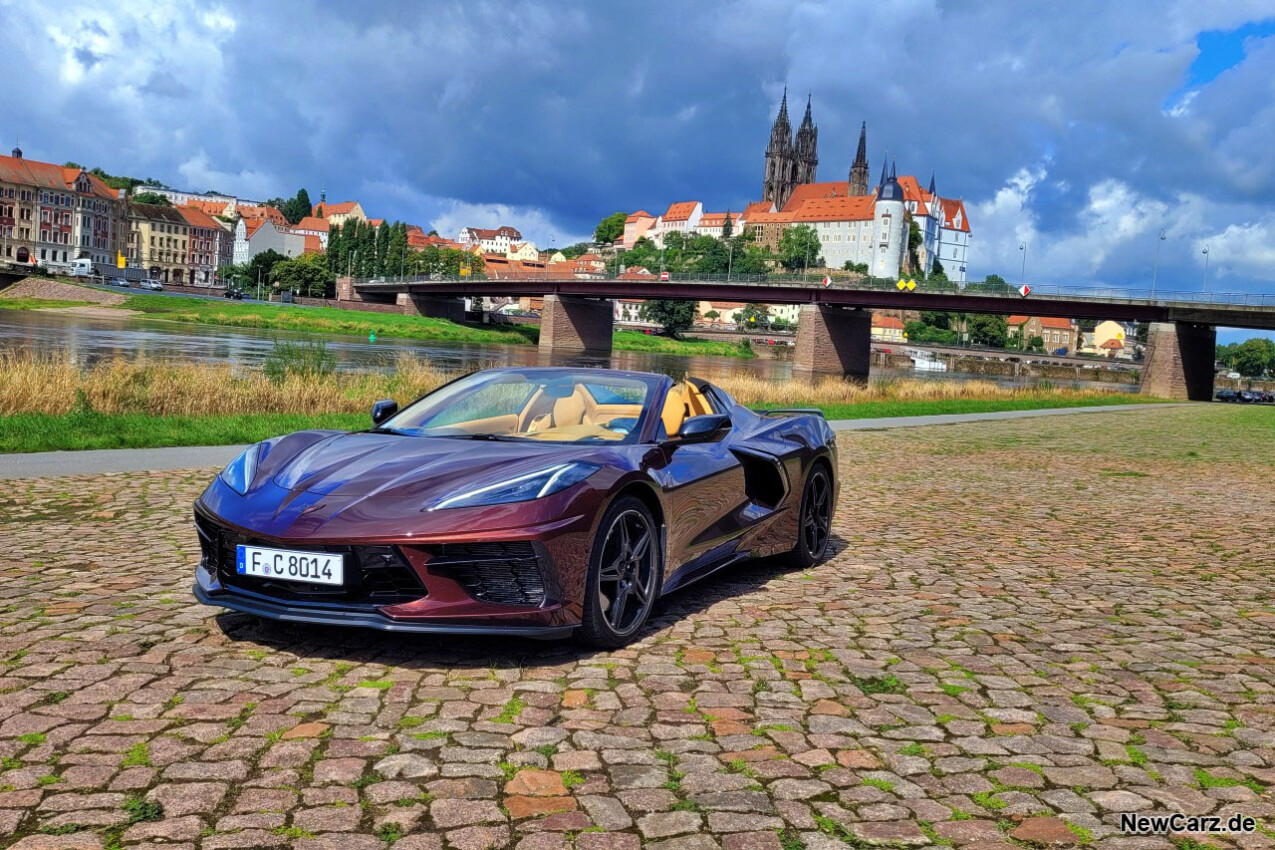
(47, 464)
(1025, 629)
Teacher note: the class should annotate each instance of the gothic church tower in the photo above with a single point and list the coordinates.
(859, 170)
(777, 185)
(806, 149)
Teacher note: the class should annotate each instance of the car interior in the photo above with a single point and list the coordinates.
(574, 412)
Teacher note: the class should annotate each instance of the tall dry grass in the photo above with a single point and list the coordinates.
(56, 384)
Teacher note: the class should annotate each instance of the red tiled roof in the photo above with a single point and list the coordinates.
(636, 274)
(313, 223)
(196, 217)
(46, 175)
(680, 211)
(250, 211)
(252, 225)
(912, 191)
(638, 215)
(209, 207)
(841, 208)
(376, 222)
(950, 209)
(1051, 322)
(887, 322)
(810, 191)
(780, 217)
(313, 244)
(334, 209)
(1112, 344)
(757, 207)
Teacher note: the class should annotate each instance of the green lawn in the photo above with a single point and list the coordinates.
(38, 432)
(38, 303)
(332, 320)
(878, 409)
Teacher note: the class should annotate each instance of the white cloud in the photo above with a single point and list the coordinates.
(199, 175)
(534, 224)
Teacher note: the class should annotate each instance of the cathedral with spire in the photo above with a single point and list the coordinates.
(791, 159)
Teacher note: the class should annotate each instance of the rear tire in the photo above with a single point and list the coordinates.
(625, 571)
(814, 522)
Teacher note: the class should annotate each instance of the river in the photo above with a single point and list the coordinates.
(91, 339)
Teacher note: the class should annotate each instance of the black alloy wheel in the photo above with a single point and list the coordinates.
(624, 575)
(815, 521)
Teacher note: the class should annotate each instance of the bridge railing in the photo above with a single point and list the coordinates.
(923, 288)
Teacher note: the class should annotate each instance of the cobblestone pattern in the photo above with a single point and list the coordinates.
(1027, 628)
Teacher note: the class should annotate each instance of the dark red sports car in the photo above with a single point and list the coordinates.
(531, 502)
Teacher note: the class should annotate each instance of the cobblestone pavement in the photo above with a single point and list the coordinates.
(1027, 628)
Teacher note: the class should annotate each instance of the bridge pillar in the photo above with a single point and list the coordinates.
(434, 306)
(345, 290)
(568, 323)
(833, 341)
(1179, 362)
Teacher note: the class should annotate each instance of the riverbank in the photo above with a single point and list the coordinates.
(333, 320)
(50, 403)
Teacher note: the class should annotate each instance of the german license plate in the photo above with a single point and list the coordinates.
(287, 565)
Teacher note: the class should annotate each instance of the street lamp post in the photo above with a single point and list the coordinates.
(1022, 277)
(1155, 269)
(1204, 281)
(730, 256)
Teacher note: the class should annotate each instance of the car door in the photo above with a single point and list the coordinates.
(703, 486)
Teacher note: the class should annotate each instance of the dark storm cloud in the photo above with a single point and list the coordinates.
(1073, 126)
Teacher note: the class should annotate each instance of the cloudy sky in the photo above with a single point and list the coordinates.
(1080, 128)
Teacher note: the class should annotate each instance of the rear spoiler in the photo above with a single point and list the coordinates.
(791, 411)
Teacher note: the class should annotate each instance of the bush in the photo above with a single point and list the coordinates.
(307, 358)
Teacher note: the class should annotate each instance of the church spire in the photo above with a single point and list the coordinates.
(932, 190)
(859, 170)
(807, 122)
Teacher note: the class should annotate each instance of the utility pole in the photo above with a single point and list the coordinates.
(1022, 281)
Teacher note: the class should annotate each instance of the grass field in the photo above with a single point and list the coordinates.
(38, 303)
(332, 320)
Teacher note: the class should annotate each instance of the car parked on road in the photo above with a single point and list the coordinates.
(1227, 395)
(119, 281)
(529, 502)
(1247, 397)
(233, 293)
(151, 284)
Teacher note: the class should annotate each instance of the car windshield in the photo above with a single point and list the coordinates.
(588, 406)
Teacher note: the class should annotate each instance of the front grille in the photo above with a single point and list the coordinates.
(374, 575)
(505, 573)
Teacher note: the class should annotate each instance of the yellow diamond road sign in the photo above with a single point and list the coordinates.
(911, 285)
(901, 285)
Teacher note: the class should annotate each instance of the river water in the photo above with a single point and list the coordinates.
(91, 339)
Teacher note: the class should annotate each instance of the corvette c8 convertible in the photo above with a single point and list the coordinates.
(529, 502)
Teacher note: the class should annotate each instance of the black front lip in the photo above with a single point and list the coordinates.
(368, 620)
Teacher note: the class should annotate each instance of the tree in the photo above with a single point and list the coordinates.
(308, 274)
(754, 316)
(712, 314)
(992, 283)
(151, 198)
(989, 330)
(728, 226)
(672, 316)
(861, 268)
(936, 269)
(1252, 358)
(260, 266)
(610, 228)
(937, 319)
(235, 276)
(573, 251)
(799, 248)
(1036, 343)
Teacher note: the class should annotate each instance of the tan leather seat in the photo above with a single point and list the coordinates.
(675, 410)
(569, 410)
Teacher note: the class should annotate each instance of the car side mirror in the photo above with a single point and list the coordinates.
(701, 429)
(383, 409)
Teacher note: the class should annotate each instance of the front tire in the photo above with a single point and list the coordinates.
(814, 523)
(625, 569)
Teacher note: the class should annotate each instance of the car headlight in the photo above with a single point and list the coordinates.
(239, 474)
(522, 488)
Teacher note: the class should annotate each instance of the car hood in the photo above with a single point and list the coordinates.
(415, 468)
